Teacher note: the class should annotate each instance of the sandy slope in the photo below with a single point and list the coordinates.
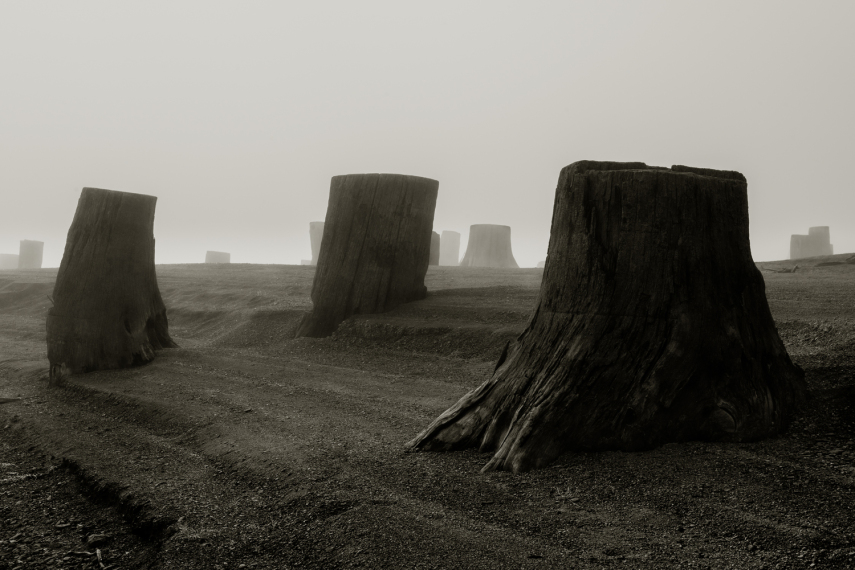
(246, 446)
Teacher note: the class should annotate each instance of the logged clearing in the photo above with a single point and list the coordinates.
(247, 446)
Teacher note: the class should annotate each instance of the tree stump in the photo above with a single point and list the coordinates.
(217, 257)
(449, 248)
(652, 327)
(816, 243)
(8, 261)
(30, 254)
(316, 236)
(434, 249)
(376, 248)
(108, 312)
(489, 246)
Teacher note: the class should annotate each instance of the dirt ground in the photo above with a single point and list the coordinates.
(246, 448)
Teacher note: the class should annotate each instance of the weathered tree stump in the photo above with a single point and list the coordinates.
(108, 312)
(218, 257)
(8, 261)
(30, 254)
(816, 243)
(316, 236)
(652, 327)
(376, 248)
(449, 248)
(434, 249)
(489, 246)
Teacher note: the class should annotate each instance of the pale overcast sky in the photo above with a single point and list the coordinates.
(237, 114)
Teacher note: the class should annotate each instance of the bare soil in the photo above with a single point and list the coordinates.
(246, 448)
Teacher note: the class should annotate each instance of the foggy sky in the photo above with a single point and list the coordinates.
(237, 114)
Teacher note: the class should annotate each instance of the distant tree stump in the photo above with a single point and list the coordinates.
(449, 248)
(434, 249)
(816, 243)
(218, 257)
(652, 327)
(316, 235)
(489, 246)
(30, 254)
(108, 312)
(376, 248)
(8, 261)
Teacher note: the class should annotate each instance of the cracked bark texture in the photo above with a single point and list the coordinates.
(652, 326)
(107, 312)
(376, 248)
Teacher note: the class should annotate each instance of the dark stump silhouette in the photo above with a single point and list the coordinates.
(449, 248)
(489, 246)
(376, 248)
(434, 249)
(652, 326)
(108, 312)
(316, 236)
(30, 254)
(218, 257)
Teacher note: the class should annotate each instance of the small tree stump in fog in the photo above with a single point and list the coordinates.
(652, 327)
(30, 254)
(217, 257)
(316, 236)
(434, 249)
(8, 261)
(489, 246)
(376, 248)
(108, 312)
(449, 248)
(816, 243)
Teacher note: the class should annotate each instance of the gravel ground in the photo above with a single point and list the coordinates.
(246, 448)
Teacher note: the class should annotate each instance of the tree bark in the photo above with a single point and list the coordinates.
(30, 254)
(217, 257)
(449, 248)
(652, 327)
(108, 312)
(376, 248)
(489, 246)
(434, 249)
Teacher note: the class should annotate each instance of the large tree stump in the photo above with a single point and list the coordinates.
(108, 312)
(30, 254)
(8, 261)
(218, 257)
(434, 249)
(316, 236)
(489, 246)
(376, 248)
(652, 327)
(449, 248)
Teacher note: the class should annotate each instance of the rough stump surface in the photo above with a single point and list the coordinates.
(652, 326)
(108, 312)
(376, 248)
